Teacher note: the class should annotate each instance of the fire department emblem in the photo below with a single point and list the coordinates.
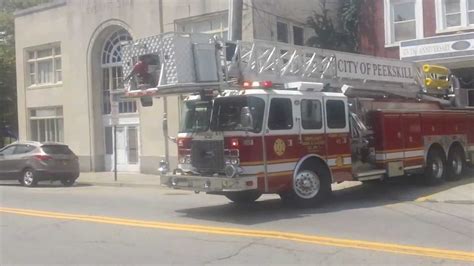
(279, 147)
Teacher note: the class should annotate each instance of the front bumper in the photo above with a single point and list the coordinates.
(209, 183)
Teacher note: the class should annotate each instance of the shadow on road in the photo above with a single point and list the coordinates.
(404, 189)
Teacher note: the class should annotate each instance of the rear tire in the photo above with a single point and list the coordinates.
(311, 186)
(29, 178)
(435, 170)
(67, 182)
(243, 197)
(456, 164)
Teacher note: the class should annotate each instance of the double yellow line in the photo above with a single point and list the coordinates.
(311, 239)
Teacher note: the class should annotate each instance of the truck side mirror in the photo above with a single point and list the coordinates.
(246, 118)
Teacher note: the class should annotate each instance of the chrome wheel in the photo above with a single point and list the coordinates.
(457, 165)
(306, 184)
(437, 167)
(436, 164)
(28, 178)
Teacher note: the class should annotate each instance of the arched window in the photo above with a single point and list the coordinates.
(111, 62)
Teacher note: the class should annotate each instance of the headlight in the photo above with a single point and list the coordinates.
(230, 171)
(188, 159)
(234, 161)
(185, 159)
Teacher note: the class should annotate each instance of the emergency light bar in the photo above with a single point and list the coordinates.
(257, 84)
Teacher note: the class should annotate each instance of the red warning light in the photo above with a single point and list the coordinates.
(247, 84)
(266, 84)
(234, 143)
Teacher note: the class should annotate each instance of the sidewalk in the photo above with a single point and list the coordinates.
(124, 179)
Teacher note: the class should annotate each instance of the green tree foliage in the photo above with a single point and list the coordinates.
(8, 111)
(342, 34)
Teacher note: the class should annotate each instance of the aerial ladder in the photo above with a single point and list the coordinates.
(189, 63)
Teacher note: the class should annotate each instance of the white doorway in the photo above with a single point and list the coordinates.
(128, 152)
(128, 159)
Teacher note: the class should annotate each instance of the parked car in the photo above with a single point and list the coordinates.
(30, 162)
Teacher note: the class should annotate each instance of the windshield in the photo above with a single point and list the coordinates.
(196, 116)
(226, 115)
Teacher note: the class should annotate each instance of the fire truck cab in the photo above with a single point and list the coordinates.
(260, 139)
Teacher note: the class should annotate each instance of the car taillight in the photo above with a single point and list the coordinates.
(43, 157)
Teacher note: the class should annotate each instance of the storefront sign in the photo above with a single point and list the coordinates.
(442, 47)
(373, 68)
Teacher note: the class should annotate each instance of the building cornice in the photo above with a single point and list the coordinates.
(39, 8)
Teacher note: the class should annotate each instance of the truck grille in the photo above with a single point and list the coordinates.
(207, 156)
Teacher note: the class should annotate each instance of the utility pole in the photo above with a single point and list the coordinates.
(114, 114)
(235, 20)
(165, 100)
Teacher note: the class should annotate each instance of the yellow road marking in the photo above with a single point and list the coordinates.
(312, 239)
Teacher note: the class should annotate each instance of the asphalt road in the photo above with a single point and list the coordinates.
(384, 224)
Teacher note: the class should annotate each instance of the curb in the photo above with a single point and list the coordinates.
(118, 184)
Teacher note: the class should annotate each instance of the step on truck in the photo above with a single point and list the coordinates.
(263, 117)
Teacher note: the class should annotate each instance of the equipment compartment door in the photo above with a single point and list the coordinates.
(413, 144)
(392, 138)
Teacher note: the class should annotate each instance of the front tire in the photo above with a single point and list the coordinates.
(435, 170)
(310, 186)
(67, 182)
(456, 164)
(243, 197)
(29, 178)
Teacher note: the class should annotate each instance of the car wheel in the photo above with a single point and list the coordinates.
(67, 182)
(29, 178)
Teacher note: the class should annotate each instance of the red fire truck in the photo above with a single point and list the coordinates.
(263, 117)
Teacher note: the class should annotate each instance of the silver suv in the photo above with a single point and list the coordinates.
(30, 162)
